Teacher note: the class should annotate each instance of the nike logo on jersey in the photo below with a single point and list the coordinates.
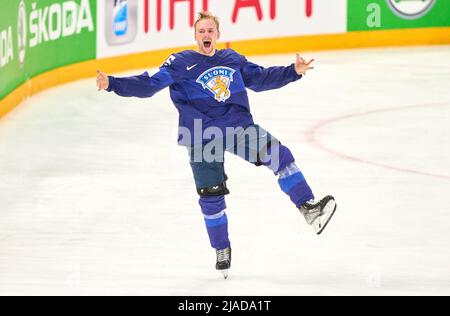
(192, 67)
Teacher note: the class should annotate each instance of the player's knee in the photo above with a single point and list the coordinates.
(276, 157)
(215, 190)
(286, 158)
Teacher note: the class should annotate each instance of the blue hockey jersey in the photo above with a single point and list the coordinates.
(210, 89)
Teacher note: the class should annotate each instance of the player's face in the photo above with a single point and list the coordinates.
(207, 35)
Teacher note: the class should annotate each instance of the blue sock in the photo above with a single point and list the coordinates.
(294, 184)
(213, 209)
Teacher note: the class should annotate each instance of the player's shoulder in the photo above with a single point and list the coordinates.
(180, 59)
(231, 54)
(186, 54)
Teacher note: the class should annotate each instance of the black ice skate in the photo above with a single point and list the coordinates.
(223, 261)
(318, 214)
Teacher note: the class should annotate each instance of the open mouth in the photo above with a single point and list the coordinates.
(207, 44)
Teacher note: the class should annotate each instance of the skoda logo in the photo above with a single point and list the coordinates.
(22, 32)
(411, 9)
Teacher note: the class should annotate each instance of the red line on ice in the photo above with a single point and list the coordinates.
(311, 136)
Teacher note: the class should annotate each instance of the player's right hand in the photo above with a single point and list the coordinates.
(102, 81)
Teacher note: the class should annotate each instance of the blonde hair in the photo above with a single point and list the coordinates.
(205, 15)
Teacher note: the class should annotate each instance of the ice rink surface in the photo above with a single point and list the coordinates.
(97, 198)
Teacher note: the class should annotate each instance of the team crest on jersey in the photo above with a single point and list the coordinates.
(218, 80)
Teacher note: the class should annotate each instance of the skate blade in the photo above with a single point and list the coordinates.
(321, 222)
(225, 274)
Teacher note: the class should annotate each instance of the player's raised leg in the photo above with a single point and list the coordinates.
(259, 147)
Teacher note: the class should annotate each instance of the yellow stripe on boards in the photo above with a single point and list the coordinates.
(385, 38)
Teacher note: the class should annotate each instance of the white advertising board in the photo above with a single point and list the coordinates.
(133, 26)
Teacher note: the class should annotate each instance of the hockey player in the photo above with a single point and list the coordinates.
(208, 88)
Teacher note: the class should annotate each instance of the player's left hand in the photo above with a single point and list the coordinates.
(301, 66)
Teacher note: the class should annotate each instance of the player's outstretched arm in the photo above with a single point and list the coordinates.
(301, 66)
(102, 81)
(141, 86)
(259, 79)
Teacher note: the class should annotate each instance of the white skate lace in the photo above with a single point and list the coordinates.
(311, 210)
(223, 255)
